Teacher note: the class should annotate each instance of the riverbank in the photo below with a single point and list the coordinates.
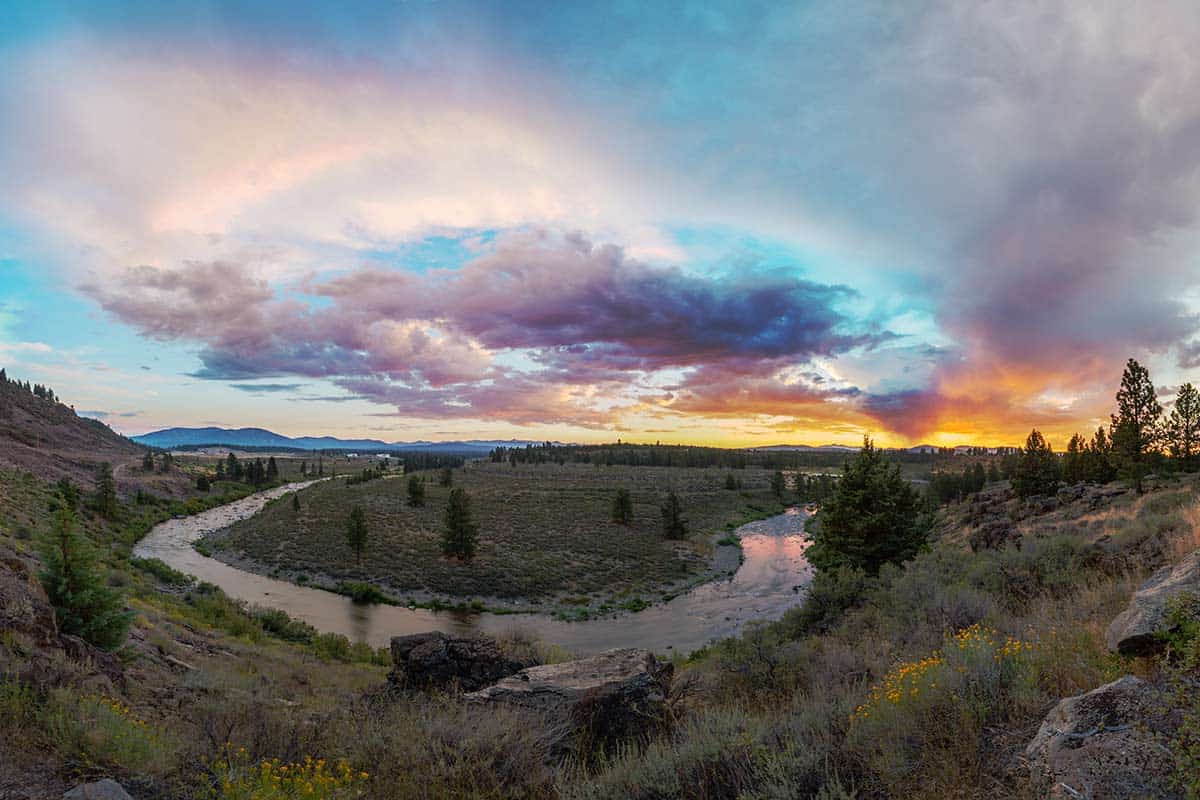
(764, 587)
(547, 541)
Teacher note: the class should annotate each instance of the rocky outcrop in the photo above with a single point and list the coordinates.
(436, 660)
(34, 651)
(1136, 629)
(24, 608)
(106, 789)
(1102, 745)
(613, 696)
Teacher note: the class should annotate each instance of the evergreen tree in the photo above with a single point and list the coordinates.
(446, 478)
(1099, 461)
(233, 468)
(296, 502)
(778, 485)
(356, 532)
(416, 491)
(622, 508)
(84, 605)
(1135, 426)
(1074, 464)
(674, 524)
(272, 470)
(1038, 470)
(731, 482)
(993, 473)
(1183, 427)
(148, 462)
(872, 519)
(304, 469)
(165, 463)
(68, 493)
(203, 484)
(461, 534)
(106, 491)
(220, 470)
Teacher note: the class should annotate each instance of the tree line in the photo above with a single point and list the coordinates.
(35, 389)
(1140, 439)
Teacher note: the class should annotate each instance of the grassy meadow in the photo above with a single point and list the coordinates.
(545, 533)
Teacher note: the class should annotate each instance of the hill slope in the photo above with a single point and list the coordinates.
(49, 439)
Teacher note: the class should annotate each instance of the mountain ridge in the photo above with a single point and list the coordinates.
(261, 437)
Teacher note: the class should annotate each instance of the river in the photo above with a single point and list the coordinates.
(768, 583)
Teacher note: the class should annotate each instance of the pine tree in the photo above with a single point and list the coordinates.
(84, 605)
(731, 482)
(203, 484)
(1135, 426)
(674, 524)
(148, 462)
(1098, 466)
(416, 491)
(356, 532)
(622, 508)
(272, 470)
(778, 485)
(1038, 470)
(461, 534)
(993, 473)
(873, 518)
(296, 502)
(1074, 464)
(447, 477)
(1183, 427)
(106, 491)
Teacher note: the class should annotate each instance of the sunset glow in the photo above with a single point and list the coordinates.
(731, 224)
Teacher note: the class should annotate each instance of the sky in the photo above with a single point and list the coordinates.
(734, 223)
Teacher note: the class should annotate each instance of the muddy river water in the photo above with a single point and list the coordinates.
(770, 580)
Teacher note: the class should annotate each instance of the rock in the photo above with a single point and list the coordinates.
(1134, 630)
(436, 660)
(1102, 745)
(613, 696)
(106, 789)
(24, 607)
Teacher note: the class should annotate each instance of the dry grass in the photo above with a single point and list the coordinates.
(546, 532)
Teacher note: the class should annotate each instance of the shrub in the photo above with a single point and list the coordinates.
(101, 732)
(829, 594)
(932, 712)
(161, 570)
(362, 592)
(238, 777)
(715, 754)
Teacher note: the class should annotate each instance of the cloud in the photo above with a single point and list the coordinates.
(586, 322)
(265, 388)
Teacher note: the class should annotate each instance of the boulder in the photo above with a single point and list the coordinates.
(1135, 629)
(106, 789)
(436, 660)
(613, 696)
(1102, 745)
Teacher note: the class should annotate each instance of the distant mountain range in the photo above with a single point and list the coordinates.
(259, 437)
(820, 448)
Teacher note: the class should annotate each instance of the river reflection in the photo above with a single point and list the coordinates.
(769, 581)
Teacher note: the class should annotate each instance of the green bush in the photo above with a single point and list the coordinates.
(161, 570)
(361, 592)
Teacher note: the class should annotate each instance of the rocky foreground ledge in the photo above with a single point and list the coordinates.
(1109, 743)
(617, 695)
